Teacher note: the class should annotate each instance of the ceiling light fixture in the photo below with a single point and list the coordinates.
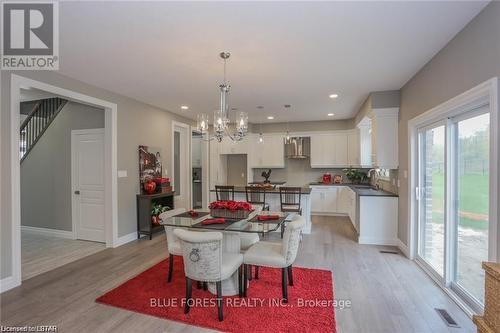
(331, 114)
(184, 107)
(270, 117)
(333, 95)
(221, 116)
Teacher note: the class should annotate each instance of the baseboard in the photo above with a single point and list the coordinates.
(328, 214)
(7, 284)
(126, 239)
(403, 248)
(377, 241)
(49, 232)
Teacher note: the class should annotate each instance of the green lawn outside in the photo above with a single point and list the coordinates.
(474, 198)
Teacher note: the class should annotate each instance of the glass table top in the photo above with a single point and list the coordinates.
(250, 224)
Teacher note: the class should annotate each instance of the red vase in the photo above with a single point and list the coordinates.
(155, 220)
(150, 187)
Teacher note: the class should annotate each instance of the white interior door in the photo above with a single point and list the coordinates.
(181, 169)
(87, 168)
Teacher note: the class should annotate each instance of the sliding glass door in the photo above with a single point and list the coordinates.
(431, 197)
(471, 133)
(453, 202)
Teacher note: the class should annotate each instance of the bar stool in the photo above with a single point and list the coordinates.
(290, 202)
(224, 192)
(256, 196)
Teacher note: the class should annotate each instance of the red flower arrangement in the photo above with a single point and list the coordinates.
(231, 205)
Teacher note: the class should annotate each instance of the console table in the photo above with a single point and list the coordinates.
(144, 204)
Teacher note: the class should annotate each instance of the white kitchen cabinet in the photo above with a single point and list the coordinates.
(324, 199)
(322, 154)
(384, 137)
(228, 146)
(329, 150)
(268, 154)
(353, 149)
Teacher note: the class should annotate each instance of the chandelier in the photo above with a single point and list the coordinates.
(221, 116)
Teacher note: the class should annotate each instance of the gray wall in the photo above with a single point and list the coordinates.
(138, 123)
(471, 57)
(46, 171)
(378, 100)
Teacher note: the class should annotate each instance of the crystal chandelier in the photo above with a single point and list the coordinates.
(221, 116)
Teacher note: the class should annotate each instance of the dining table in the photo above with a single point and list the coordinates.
(231, 229)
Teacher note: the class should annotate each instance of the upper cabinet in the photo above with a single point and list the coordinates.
(270, 153)
(335, 149)
(385, 148)
(228, 146)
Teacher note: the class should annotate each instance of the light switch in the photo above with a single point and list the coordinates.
(122, 173)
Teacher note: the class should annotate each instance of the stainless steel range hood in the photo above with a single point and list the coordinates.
(297, 147)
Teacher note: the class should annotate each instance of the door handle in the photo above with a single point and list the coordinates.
(77, 192)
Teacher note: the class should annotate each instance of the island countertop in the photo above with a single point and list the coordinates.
(276, 190)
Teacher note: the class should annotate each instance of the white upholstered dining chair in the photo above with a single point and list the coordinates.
(205, 261)
(277, 255)
(173, 244)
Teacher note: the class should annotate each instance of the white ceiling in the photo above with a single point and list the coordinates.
(166, 53)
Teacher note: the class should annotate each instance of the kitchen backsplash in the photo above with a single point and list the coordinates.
(298, 172)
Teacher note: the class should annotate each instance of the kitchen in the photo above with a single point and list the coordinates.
(351, 171)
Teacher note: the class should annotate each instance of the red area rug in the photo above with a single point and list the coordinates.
(310, 307)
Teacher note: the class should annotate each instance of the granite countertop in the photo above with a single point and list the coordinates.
(276, 190)
(361, 190)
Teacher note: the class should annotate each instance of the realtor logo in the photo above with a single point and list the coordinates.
(30, 36)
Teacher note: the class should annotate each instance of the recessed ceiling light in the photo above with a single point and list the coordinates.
(270, 117)
(331, 114)
(184, 107)
(333, 96)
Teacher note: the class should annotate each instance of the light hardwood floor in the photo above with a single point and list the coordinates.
(42, 253)
(389, 293)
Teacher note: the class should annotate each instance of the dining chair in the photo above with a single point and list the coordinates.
(224, 192)
(248, 239)
(173, 244)
(205, 261)
(276, 255)
(256, 196)
(290, 201)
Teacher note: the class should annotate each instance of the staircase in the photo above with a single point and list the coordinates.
(38, 120)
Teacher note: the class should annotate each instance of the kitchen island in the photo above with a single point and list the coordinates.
(373, 213)
(273, 200)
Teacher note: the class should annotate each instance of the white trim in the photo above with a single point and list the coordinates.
(126, 239)
(403, 248)
(48, 232)
(189, 134)
(110, 114)
(8, 283)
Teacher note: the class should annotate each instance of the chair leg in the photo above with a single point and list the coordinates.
(282, 229)
(249, 272)
(170, 267)
(188, 294)
(256, 272)
(198, 285)
(219, 300)
(240, 282)
(205, 286)
(284, 284)
(245, 280)
(290, 275)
